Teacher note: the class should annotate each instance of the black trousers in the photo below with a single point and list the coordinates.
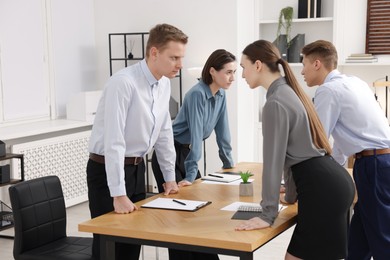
(101, 202)
(182, 152)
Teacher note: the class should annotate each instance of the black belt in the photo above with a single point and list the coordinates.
(365, 153)
(188, 146)
(128, 160)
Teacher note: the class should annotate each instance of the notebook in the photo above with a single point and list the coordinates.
(220, 177)
(176, 204)
(246, 212)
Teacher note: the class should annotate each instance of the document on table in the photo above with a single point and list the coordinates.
(220, 177)
(248, 209)
(176, 204)
(235, 205)
(235, 183)
(229, 172)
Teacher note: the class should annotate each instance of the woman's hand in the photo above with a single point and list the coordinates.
(253, 223)
(184, 183)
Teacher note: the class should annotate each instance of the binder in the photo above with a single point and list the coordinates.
(309, 8)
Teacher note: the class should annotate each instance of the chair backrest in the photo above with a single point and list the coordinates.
(39, 212)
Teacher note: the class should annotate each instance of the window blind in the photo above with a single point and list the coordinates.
(378, 27)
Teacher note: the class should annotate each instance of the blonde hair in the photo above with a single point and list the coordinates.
(162, 34)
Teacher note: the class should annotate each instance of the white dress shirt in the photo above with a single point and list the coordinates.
(132, 117)
(349, 112)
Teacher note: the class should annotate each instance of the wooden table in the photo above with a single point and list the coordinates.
(209, 230)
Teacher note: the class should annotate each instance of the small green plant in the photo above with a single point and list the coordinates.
(245, 176)
(285, 20)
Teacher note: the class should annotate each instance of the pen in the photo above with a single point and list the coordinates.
(180, 202)
(213, 175)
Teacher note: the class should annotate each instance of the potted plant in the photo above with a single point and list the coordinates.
(246, 187)
(285, 21)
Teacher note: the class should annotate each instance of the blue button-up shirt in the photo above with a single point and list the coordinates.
(349, 112)
(200, 114)
(132, 117)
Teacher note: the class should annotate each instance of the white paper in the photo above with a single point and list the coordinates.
(237, 182)
(165, 203)
(220, 177)
(234, 206)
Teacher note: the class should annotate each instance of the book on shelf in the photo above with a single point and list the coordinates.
(361, 60)
(309, 8)
(361, 55)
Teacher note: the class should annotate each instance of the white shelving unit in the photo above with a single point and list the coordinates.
(341, 22)
(313, 28)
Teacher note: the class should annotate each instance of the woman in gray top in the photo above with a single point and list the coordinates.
(295, 143)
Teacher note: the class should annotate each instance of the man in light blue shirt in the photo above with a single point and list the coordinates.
(132, 118)
(204, 110)
(349, 112)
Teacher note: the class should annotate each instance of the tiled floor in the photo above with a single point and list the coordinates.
(274, 250)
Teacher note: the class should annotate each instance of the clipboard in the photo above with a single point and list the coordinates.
(232, 172)
(176, 204)
(229, 172)
(220, 177)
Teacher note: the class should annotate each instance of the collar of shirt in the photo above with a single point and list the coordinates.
(148, 74)
(274, 85)
(331, 75)
(207, 90)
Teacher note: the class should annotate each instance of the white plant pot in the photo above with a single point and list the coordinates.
(246, 189)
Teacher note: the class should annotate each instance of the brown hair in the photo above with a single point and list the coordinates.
(161, 34)
(323, 51)
(267, 53)
(216, 60)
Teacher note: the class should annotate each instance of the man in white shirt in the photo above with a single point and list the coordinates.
(349, 112)
(132, 118)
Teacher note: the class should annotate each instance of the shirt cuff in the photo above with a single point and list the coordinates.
(116, 191)
(169, 177)
(190, 176)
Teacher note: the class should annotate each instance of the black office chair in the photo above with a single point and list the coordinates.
(40, 223)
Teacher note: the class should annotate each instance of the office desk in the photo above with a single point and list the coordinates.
(208, 230)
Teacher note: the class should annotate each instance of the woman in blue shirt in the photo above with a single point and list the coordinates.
(203, 110)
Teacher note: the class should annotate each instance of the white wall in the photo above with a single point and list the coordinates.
(210, 25)
(23, 61)
(47, 55)
(73, 52)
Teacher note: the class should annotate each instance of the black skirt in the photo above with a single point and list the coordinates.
(325, 193)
